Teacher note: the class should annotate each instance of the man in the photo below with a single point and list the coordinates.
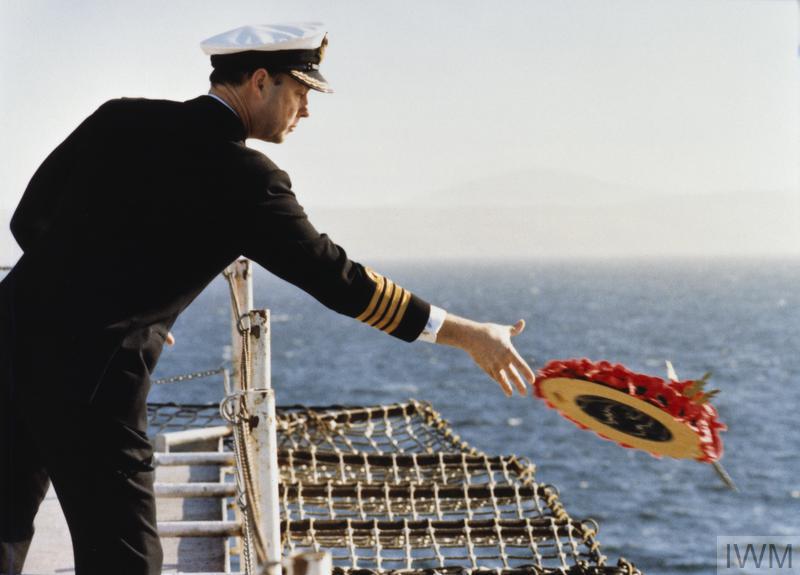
(86, 310)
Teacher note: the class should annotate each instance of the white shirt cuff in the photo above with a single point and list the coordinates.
(434, 324)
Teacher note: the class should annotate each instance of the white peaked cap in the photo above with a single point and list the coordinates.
(266, 38)
(296, 49)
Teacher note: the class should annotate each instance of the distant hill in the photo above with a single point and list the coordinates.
(734, 224)
(548, 213)
(535, 187)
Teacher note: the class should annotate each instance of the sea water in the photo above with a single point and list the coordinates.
(739, 320)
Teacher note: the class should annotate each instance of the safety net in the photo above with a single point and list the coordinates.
(391, 488)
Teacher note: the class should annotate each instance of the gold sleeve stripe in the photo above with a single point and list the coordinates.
(400, 312)
(385, 299)
(380, 282)
(388, 304)
(398, 293)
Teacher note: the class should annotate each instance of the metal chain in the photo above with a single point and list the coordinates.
(189, 376)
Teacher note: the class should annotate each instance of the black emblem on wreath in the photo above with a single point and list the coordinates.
(622, 417)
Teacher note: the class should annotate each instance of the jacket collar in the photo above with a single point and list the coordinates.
(218, 118)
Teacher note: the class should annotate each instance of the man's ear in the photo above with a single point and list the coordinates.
(260, 79)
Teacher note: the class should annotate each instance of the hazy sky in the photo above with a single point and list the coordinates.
(646, 98)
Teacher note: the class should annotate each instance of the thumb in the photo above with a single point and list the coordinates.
(517, 328)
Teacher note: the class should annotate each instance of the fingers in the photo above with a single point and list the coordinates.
(517, 380)
(170, 339)
(499, 378)
(522, 367)
(502, 379)
(517, 363)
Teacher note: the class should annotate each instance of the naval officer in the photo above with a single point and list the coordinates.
(86, 310)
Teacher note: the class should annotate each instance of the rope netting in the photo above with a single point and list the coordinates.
(415, 502)
(402, 468)
(170, 417)
(401, 503)
(411, 427)
(391, 487)
(491, 545)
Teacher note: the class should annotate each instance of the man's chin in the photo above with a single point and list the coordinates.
(283, 135)
(274, 139)
(277, 138)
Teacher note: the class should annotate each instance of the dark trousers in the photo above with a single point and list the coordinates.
(100, 466)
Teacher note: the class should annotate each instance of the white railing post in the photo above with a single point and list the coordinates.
(265, 436)
(242, 275)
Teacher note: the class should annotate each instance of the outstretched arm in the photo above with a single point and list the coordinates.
(489, 345)
(280, 238)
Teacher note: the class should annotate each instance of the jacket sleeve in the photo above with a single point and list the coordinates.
(280, 238)
(50, 185)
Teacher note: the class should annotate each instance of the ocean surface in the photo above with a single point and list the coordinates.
(739, 320)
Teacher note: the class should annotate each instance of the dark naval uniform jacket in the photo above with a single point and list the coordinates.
(129, 219)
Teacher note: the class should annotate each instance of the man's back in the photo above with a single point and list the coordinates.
(126, 204)
(128, 220)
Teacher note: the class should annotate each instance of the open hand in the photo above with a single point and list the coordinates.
(489, 345)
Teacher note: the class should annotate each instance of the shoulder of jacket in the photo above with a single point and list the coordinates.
(260, 165)
(139, 103)
(135, 109)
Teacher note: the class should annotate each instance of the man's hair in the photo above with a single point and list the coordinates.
(233, 75)
(237, 76)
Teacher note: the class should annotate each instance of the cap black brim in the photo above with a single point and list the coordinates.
(313, 79)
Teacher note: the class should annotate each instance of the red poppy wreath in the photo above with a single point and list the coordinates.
(664, 418)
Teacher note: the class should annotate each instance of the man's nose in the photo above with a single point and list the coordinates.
(303, 112)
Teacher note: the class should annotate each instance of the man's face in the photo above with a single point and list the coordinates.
(281, 103)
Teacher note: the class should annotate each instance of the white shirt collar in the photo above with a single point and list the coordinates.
(223, 102)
